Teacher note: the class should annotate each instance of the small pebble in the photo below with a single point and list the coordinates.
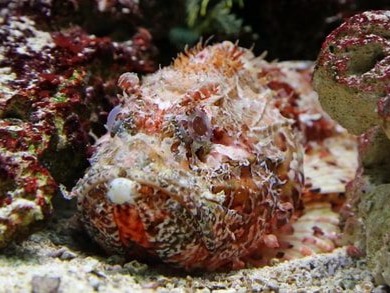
(114, 268)
(45, 284)
(67, 255)
(94, 282)
(135, 267)
(63, 253)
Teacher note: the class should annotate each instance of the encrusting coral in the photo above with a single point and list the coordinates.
(352, 78)
(202, 167)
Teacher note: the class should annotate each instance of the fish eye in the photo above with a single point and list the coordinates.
(199, 125)
(111, 118)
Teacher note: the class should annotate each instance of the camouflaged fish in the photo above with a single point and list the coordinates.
(199, 168)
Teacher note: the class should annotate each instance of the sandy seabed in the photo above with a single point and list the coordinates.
(58, 259)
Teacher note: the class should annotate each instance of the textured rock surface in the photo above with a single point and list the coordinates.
(376, 210)
(53, 101)
(367, 210)
(352, 78)
(118, 20)
(352, 74)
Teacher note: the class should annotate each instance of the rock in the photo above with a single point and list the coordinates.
(377, 210)
(352, 77)
(56, 88)
(45, 284)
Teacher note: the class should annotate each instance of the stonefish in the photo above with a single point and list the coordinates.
(199, 167)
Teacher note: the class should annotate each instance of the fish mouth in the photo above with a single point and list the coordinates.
(136, 203)
(117, 186)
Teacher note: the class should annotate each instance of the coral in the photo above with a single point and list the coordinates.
(352, 71)
(52, 97)
(201, 170)
(352, 78)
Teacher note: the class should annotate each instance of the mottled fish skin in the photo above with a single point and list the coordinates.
(199, 167)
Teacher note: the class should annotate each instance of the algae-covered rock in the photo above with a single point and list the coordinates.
(352, 73)
(375, 209)
(53, 101)
(352, 78)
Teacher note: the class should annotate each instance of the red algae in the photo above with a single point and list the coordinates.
(53, 101)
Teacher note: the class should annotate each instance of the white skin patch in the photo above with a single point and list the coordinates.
(122, 190)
